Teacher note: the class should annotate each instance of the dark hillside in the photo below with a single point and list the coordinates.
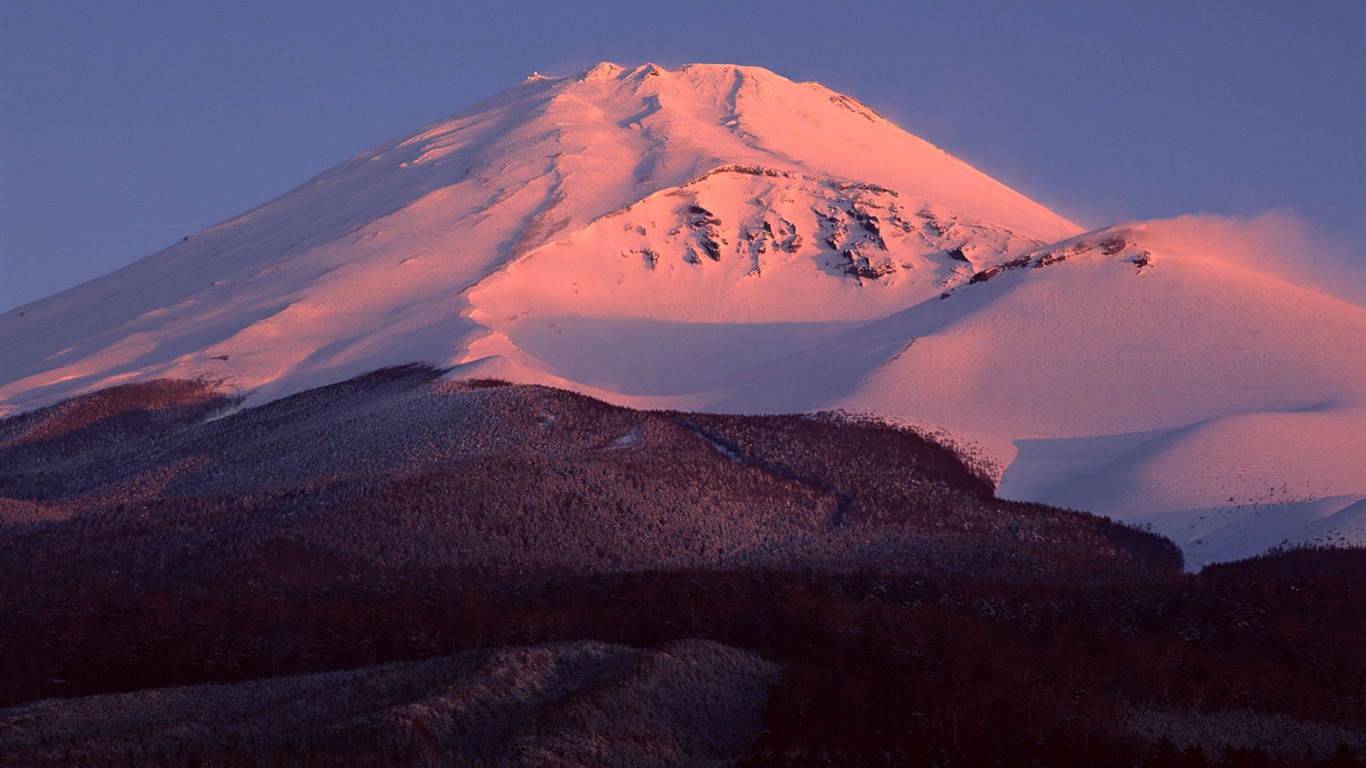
(157, 537)
(134, 409)
(685, 703)
(399, 477)
(876, 670)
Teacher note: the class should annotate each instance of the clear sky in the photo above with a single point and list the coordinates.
(126, 126)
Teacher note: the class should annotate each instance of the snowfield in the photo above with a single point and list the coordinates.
(720, 238)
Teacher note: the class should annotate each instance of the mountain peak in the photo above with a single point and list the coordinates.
(603, 70)
(721, 81)
(607, 70)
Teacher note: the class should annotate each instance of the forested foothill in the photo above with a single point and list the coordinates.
(844, 591)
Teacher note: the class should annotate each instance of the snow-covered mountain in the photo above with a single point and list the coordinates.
(718, 237)
(1143, 372)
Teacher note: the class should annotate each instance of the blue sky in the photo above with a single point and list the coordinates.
(124, 127)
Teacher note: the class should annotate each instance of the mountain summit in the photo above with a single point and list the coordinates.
(717, 237)
(371, 263)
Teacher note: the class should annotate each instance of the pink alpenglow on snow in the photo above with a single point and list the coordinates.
(718, 237)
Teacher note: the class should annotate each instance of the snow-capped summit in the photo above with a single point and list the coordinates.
(372, 262)
(719, 237)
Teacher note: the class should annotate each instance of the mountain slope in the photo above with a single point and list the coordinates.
(1133, 372)
(365, 265)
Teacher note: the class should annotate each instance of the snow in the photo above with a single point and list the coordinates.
(717, 237)
(1143, 394)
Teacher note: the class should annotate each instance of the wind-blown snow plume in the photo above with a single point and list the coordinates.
(1281, 244)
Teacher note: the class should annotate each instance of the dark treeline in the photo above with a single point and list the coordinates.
(872, 665)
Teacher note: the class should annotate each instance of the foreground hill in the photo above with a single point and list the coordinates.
(398, 476)
(689, 703)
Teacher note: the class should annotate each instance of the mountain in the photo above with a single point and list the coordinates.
(719, 238)
(371, 263)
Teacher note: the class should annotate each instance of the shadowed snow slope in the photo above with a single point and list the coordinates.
(717, 237)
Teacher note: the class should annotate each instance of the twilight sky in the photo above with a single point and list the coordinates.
(124, 129)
